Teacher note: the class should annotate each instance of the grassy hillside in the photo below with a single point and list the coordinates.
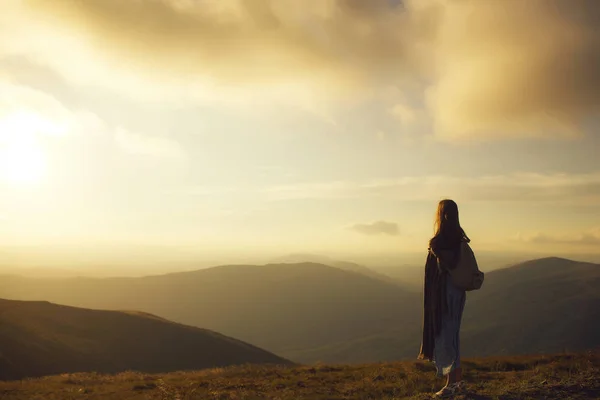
(286, 309)
(573, 376)
(40, 338)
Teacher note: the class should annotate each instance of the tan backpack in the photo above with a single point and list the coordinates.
(466, 275)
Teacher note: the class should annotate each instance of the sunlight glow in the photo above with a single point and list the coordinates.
(23, 164)
(22, 159)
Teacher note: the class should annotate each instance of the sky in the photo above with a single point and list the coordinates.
(328, 126)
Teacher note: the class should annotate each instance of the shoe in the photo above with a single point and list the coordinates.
(450, 390)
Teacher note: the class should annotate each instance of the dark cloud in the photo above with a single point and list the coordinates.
(517, 68)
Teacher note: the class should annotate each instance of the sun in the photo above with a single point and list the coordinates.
(22, 158)
(23, 164)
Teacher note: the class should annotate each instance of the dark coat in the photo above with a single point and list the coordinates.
(441, 257)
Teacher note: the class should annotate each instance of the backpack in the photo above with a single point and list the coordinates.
(466, 275)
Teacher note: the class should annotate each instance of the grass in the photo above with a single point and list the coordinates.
(565, 376)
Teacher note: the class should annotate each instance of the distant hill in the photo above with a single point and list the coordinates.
(546, 305)
(298, 258)
(40, 338)
(551, 377)
(312, 312)
(541, 306)
(408, 276)
(284, 308)
(409, 272)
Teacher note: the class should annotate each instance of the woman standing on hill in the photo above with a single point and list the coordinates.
(444, 302)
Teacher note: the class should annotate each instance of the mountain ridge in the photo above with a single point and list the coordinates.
(41, 338)
(276, 307)
(312, 312)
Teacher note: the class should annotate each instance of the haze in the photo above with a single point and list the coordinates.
(178, 132)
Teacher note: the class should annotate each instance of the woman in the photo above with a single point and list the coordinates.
(444, 302)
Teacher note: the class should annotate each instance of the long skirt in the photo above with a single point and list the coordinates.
(446, 354)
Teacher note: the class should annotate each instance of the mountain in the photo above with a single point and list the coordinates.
(408, 276)
(312, 312)
(541, 306)
(297, 258)
(544, 305)
(284, 308)
(40, 338)
(409, 272)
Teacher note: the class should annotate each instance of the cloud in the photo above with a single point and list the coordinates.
(588, 238)
(516, 68)
(146, 145)
(407, 115)
(237, 41)
(519, 187)
(508, 68)
(27, 112)
(28, 115)
(377, 228)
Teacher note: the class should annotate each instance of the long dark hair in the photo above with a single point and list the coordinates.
(447, 229)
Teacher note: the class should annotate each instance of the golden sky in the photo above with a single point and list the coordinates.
(314, 125)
